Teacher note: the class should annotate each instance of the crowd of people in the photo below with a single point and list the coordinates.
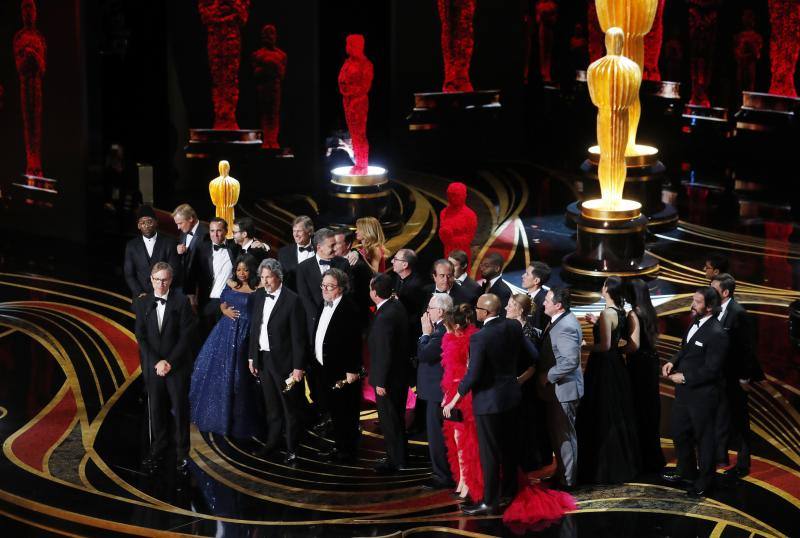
(264, 347)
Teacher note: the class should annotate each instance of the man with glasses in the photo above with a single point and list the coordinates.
(337, 358)
(164, 326)
(429, 386)
(244, 233)
(277, 355)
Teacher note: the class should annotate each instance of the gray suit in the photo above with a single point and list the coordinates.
(559, 382)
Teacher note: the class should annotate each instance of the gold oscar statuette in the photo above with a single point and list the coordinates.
(224, 191)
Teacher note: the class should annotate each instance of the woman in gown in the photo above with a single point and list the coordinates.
(607, 440)
(371, 245)
(644, 371)
(460, 438)
(223, 394)
(531, 427)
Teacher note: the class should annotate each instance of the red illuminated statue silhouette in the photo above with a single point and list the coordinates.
(30, 53)
(458, 222)
(224, 20)
(652, 45)
(355, 79)
(457, 43)
(784, 45)
(703, 15)
(546, 18)
(747, 51)
(597, 38)
(673, 56)
(269, 66)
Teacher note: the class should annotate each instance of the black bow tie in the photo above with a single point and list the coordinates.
(218, 247)
(439, 291)
(696, 322)
(324, 262)
(189, 233)
(329, 303)
(270, 296)
(160, 300)
(309, 248)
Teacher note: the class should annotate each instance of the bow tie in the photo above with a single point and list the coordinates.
(324, 262)
(696, 322)
(270, 296)
(309, 248)
(329, 304)
(439, 291)
(218, 247)
(189, 233)
(160, 300)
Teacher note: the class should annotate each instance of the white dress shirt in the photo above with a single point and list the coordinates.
(189, 237)
(160, 308)
(694, 328)
(303, 255)
(380, 304)
(495, 279)
(222, 271)
(322, 268)
(462, 278)
(724, 307)
(269, 305)
(150, 244)
(490, 318)
(322, 328)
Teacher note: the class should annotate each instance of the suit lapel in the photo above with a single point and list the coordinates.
(279, 304)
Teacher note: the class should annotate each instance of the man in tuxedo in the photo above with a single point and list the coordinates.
(739, 369)
(343, 242)
(410, 288)
(297, 252)
(715, 264)
(193, 234)
(429, 386)
(387, 343)
(217, 261)
(535, 276)
(244, 233)
(360, 274)
(696, 371)
(278, 356)
(164, 325)
(491, 268)
(144, 251)
(444, 282)
(337, 358)
(492, 378)
(559, 382)
(459, 260)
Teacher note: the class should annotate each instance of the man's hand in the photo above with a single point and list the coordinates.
(380, 391)
(666, 369)
(192, 300)
(298, 375)
(427, 326)
(678, 378)
(141, 295)
(590, 319)
(162, 368)
(181, 249)
(259, 244)
(253, 369)
(351, 378)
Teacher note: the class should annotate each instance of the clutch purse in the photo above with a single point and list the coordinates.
(455, 415)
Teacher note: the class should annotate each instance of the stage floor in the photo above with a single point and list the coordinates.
(72, 413)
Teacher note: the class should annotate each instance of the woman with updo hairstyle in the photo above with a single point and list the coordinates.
(461, 438)
(608, 443)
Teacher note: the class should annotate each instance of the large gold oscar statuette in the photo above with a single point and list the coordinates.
(224, 191)
(635, 18)
(614, 82)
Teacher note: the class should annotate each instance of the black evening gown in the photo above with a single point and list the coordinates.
(608, 446)
(535, 450)
(644, 370)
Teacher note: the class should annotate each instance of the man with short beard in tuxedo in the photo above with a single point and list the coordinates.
(491, 268)
(141, 253)
(244, 235)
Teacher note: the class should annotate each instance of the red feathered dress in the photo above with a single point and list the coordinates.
(462, 453)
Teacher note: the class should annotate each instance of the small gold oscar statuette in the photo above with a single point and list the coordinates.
(224, 191)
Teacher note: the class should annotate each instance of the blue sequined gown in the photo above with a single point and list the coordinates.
(223, 393)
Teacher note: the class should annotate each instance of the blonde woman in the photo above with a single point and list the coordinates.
(369, 235)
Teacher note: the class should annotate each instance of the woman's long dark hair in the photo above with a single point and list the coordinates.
(250, 263)
(614, 289)
(638, 295)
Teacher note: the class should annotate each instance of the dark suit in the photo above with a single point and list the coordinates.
(501, 289)
(138, 263)
(387, 342)
(457, 293)
(491, 376)
(287, 255)
(308, 280)
(429, 388)
(208, 307)
(341, 354)
(288, 349)
(412, 292)
(540, 319)
(733, 417)
(260, 254)
(189, 260)
(700, 360)
(167, 394)
(471, 289)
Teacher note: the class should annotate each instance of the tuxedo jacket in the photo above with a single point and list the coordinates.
(700, 360)
(288, 342)
(341, 348)
(470, 289)
(260, 254)
(414, 296)
(503, 291)
(539, 318)
(287, 256)
(172, 342)
(430, 371)
(189, 259)
(457, 293)
(205, 257)
(387, 343)
(309, 279)
(492, 369)
(741, 361)
(138, 263)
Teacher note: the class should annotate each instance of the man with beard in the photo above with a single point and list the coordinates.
(141, 253)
